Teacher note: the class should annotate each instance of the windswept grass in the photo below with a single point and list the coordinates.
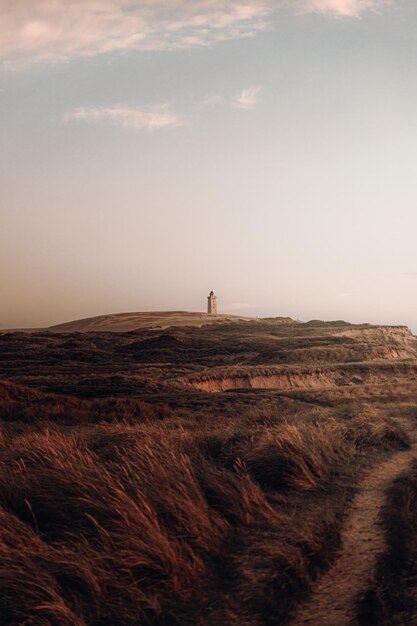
(154, 524)
(128, 498)
(391, 598)
(21, 404)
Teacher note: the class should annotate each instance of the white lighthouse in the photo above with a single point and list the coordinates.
(212, 304)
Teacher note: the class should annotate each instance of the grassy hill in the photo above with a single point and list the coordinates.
(188, 475)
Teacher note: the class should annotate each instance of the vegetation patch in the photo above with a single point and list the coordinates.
(128, 498)
(154, 524)
(391, 598)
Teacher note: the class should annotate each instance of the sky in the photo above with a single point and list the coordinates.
(151, 151)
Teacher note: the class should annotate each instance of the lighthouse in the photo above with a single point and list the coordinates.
(212, 304)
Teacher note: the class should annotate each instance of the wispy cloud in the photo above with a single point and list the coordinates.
(353, 8)
(54, 30)
(149, 118)
(248, 98)
(62, 29)
(152, 117)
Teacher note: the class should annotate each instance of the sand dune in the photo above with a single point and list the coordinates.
(125, 322)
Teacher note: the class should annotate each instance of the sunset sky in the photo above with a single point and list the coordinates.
(154, 150)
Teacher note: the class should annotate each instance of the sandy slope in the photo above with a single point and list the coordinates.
(333, 600)
(125, 322)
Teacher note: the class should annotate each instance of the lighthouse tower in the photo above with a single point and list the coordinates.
(212, 304)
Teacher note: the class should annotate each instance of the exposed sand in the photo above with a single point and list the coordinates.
(125, 322)
(299, 378)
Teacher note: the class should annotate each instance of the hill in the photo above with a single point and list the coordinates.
(207, 474)
(126, 322)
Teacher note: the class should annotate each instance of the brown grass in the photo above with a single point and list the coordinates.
(121, 524)
(126, 498)
(391, 598)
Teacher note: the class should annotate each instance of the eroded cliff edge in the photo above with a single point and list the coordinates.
(331, 357)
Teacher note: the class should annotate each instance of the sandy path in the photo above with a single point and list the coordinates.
(332, 600)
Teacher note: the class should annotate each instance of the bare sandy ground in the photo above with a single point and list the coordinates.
(125, 322)
(333, 600)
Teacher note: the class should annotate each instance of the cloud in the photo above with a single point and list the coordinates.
(341, 7)
(152, 117)
(149, 118)
(63, 29)
(53, 30)
(248, 98)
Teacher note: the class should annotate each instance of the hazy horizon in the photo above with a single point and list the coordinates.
(153, 151)
(244, 313)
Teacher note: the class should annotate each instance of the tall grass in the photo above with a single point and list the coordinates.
(156, 524)
(391, 596)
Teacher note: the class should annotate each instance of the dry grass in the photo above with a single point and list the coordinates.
(21, 404)
(391, 598)
(128, 499)
(153, 524)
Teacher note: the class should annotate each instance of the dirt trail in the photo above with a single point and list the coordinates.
(332, 600)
